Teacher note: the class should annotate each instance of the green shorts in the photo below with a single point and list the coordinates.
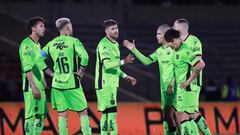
(195, 94)
(167, 99)
(187, 101)
(73, 99)
(33, 106)
(107, 98)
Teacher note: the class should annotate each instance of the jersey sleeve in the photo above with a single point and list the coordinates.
(192, 59)
(26, 54)
(120, 73)
(154, 56)
(197, 47)
(145, 60)
(82, 53)
(105, 58)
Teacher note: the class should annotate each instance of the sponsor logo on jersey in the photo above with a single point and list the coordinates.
(60, 45)
(59, 81)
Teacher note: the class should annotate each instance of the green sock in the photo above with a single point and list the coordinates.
(185, 128)
(112, 122)
(202, 125)
(165, 126)
(85, 125)
(194, 127)
(29, 126)
(62, 126)
(104, 124)
(38, 124)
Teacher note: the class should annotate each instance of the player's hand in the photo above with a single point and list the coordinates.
(170, 89)
(128, 44)
(184, 85)
(79, 74)
(36, 93)
(128, 59)
(131, 80)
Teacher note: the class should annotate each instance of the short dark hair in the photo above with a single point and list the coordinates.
(182, 20)
(32, 22)
(109, 22)
(171, 34)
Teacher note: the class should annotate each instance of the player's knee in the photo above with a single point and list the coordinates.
(182, 116)
(62, 114)
(83, 113)
(195, 115)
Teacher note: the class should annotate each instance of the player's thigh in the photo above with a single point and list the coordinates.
(195, 98)
(107, 98)
(29, 103)
(42, 104)
(58, 100)
(183, 101)
(76, 100)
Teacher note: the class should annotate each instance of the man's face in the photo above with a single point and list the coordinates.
(160, 36)
(176, 43)
(112, 31)
(39, 29)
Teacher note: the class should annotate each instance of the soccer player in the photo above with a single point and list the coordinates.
(187, 67)
(163, 55)
(195, 45)
(33, 78)
(67, 93)
(107, 75)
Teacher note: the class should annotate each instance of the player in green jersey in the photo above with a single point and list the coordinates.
(187, 67)
(107, 75)
(33, 78)
(164, 56)
(195, 45)
(67, 94)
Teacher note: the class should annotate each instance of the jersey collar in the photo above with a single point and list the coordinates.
(111, 40)
(164, 46)
(33, 40)
(186, 38)
(180, 47)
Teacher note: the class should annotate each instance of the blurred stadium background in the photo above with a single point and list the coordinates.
(215, 22)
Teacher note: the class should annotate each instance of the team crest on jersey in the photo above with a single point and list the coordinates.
(194, 42)
(168, 53)
(60, 45)
(28, 53)
(179, 98)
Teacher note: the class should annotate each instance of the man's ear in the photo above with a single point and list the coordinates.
(106, 30)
